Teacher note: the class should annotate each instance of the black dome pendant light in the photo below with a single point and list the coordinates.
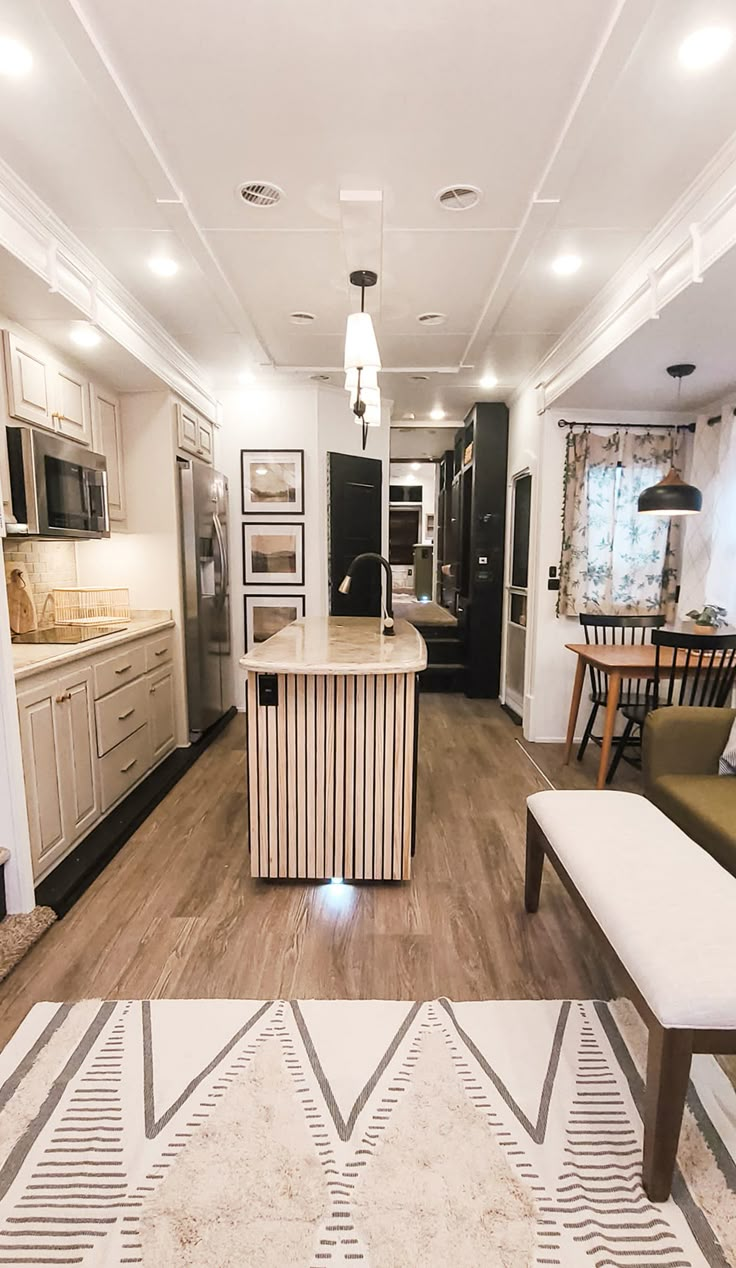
(672, 496)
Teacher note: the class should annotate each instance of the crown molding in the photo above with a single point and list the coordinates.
(35, 235)
(699, 228)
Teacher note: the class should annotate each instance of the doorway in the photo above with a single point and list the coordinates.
(355, 491)
(517, 593)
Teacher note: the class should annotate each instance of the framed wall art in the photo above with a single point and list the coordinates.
(266, 614)
(272, 481)
(273, 554)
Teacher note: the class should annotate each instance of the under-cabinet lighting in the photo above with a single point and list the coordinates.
(437, 415)
(85, 336)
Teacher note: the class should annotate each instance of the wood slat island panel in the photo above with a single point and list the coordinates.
(331, 761)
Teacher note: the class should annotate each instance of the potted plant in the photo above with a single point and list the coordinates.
(708, 619)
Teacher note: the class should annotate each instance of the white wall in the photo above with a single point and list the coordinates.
(284, 416)
(537, 444)
(146, 556)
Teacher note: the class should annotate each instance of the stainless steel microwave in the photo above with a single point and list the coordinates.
(57, 487)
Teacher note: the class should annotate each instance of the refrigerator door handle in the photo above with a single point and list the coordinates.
(224, 567)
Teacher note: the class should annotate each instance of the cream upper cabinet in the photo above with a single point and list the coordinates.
(70, 394)
(107, 438)
(29, 381)
(195, 435)
(57, 741)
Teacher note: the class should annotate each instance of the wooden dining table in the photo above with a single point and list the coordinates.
(617, 661)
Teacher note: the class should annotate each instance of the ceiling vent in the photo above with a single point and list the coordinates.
(301, 319)
(260, 193)
(459, 197)
(432, 319)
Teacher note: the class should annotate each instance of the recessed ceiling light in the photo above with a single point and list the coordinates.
(163, 266)
(565, 265)
(409, 416)
(488, 381)
(301, 319)
(85, 336)
(15, 59)
(437, 415)
(432, 319)
(705, 47)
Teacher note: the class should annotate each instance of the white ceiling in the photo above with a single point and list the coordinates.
(698, 327)
(574, 118)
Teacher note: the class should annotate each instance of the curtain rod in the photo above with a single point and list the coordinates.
(564, 422)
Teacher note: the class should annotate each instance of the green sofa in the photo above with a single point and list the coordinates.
(681, 748)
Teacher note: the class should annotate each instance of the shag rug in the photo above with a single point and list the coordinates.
(392, 1135)
(19, 933)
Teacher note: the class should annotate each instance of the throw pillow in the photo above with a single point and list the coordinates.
(727, 762)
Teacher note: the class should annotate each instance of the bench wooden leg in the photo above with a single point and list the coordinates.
(668, 1072)
(534, 863)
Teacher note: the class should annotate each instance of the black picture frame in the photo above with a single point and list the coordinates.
(296, 601)
(268, 528)
(264, 457)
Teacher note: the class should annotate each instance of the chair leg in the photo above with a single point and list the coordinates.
(534, 863)
(668, 1072)
(620, 746)
(587, 732)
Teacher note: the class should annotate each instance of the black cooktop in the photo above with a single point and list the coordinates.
(66, 633)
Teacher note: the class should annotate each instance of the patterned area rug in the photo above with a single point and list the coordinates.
(389, 1135)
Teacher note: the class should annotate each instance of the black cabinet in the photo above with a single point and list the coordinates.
(480, 486)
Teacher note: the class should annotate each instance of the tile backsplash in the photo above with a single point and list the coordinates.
(46, 566)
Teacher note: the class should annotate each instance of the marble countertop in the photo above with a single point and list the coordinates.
(31, 658)
(339, 645)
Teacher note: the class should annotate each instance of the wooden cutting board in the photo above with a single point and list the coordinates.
(21, 607)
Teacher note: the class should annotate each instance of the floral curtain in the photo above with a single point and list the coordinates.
(614, 560)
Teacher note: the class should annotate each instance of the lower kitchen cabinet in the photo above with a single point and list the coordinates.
(59, 764)
(87, 739)
(161, 712)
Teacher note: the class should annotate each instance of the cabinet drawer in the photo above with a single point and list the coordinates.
(159, 651)
(127, 664)
(124, 765)
(120, 714)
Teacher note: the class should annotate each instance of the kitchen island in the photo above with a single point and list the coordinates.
(331, 706)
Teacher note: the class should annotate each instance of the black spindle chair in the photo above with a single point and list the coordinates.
(609, 630)
(703, 674)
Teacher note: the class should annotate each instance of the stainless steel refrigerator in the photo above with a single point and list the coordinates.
(204, 498)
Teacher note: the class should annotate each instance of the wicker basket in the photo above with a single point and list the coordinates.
(89, 606)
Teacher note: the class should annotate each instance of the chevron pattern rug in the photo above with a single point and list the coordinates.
(382, 1134)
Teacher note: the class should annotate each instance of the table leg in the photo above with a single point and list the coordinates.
(577, 692)
(614, 692)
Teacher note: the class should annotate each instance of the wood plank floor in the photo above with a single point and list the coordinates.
(177, 914)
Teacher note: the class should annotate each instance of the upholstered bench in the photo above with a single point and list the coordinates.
(667, 911)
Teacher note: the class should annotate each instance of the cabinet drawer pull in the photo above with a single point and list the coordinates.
(123, 716)
(67, 695)
(151, 691)
(123, 669)
(161, 651)
(124, 769)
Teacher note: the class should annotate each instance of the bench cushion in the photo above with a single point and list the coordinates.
(667, 908)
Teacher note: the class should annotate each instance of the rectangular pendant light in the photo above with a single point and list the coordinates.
(361, 348)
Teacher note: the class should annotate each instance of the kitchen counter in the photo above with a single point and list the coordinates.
(339, 645)
(30, 658)
(331, 707)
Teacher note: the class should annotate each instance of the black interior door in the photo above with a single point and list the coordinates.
(354, 527)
